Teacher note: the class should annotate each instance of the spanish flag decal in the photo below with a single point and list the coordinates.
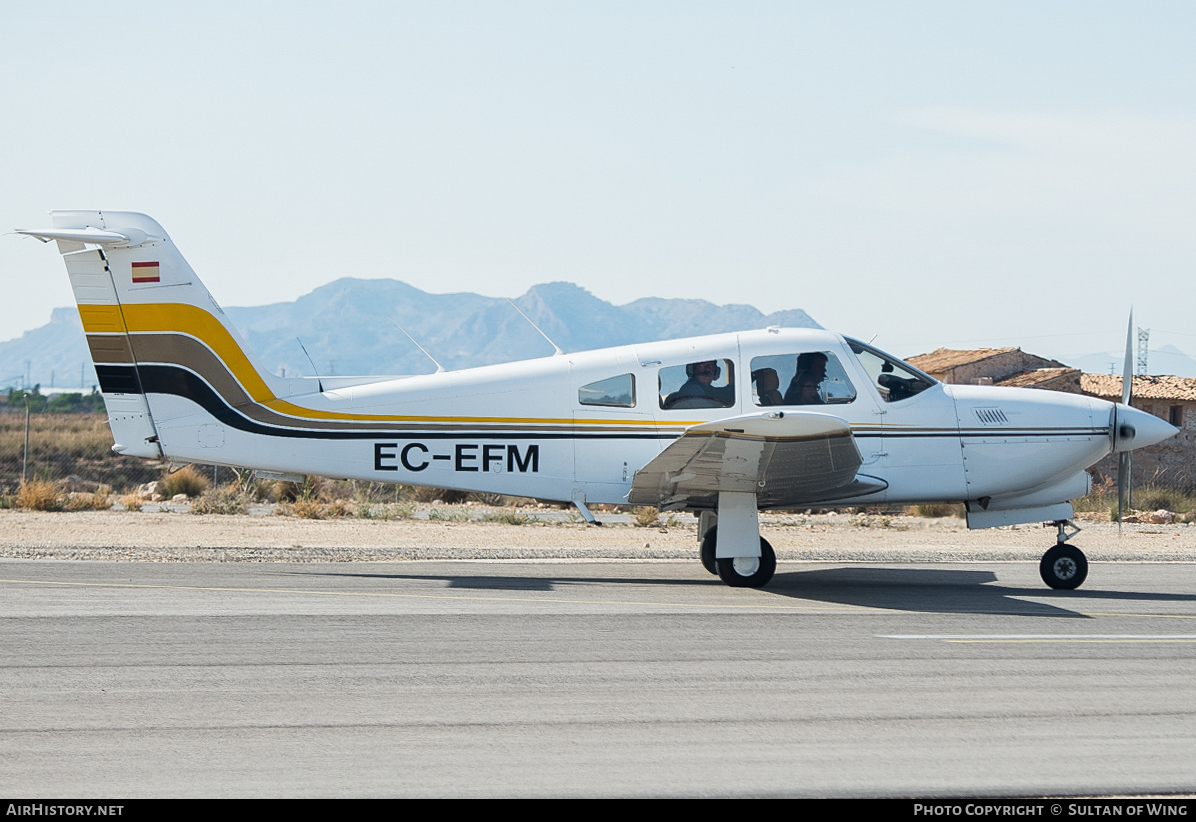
(145, 272)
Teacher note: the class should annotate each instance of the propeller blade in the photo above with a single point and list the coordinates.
(1129, 481)
(1122, 475)
(1127, 376)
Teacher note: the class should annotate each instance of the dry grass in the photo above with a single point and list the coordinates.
(448, 514)
(1102, 495)
(228, 499)
(1153, 498)
(427, 493)
(369, 493)
(338, 508)
(77, 436)
(645, 516)
(132, 502)
(312, 488)
(98, 500)
(186, 480)
(40, 495)
(508, 517)
(304, 509)
(938, 509)
(1149, 497)
(385, 510)
(62, 446)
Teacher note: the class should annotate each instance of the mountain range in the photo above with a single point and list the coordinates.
(349, 327)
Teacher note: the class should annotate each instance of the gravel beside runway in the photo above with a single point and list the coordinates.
(182, 537)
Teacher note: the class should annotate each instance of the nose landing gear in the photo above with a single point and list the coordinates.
(1064, 567)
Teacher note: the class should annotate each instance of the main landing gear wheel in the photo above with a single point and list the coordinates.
(1064, 567)
(748, 572)
(707, 551)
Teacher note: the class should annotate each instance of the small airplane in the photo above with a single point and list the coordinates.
(723, 425)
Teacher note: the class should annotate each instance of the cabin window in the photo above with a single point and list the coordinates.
(806, 378)
(702, 384)
(617, 392)
(894, 379)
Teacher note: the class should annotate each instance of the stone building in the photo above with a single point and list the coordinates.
(1171, 463)
(998, 366)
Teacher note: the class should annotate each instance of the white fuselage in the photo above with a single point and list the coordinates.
(520, 428)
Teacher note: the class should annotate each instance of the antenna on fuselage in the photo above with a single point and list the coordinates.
(314, 370)
(556, 347)
(439, 368)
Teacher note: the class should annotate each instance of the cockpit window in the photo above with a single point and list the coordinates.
(704, 384)
(894, 379)
(618, 392)
(807, 378)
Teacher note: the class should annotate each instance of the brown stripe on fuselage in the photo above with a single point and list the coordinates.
(193, 355)
(109, 348)
(189, 353)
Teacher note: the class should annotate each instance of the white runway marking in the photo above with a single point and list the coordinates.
(1045, 637)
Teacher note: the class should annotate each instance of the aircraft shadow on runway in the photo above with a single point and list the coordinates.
(928, 590)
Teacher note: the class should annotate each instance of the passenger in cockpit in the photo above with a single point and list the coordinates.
(767, 385)
(811, 373)
(807, 391)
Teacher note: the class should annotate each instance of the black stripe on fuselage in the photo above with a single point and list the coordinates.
(167, 379)
(118, 379)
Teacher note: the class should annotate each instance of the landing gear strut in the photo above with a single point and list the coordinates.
(732, 546)
(1064, 567)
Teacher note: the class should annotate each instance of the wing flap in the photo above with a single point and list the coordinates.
(784, 458)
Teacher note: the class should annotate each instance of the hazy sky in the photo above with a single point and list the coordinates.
(956, 173)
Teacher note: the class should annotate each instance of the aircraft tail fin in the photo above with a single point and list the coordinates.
(148, 320)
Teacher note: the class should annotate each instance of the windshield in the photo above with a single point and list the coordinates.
(894, 379)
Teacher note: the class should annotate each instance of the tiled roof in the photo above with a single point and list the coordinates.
(1108, 386)
(1040, 376)
(941, 359)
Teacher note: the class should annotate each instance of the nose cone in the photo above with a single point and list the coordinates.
(1138, 429)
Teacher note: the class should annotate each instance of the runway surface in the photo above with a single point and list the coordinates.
(592, 678)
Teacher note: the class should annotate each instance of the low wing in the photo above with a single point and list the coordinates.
(785, 458)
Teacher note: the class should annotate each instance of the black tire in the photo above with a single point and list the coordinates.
(1064, 567)
(765, 568)
(707, 551)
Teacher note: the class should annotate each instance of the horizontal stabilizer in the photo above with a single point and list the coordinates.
(89, 234)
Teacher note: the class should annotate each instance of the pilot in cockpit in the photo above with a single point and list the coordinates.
(698, 391)
(811, 373)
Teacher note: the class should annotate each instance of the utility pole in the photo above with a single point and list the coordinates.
(1143, 349)
(25, 459)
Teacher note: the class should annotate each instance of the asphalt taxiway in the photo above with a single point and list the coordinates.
(592, 678)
